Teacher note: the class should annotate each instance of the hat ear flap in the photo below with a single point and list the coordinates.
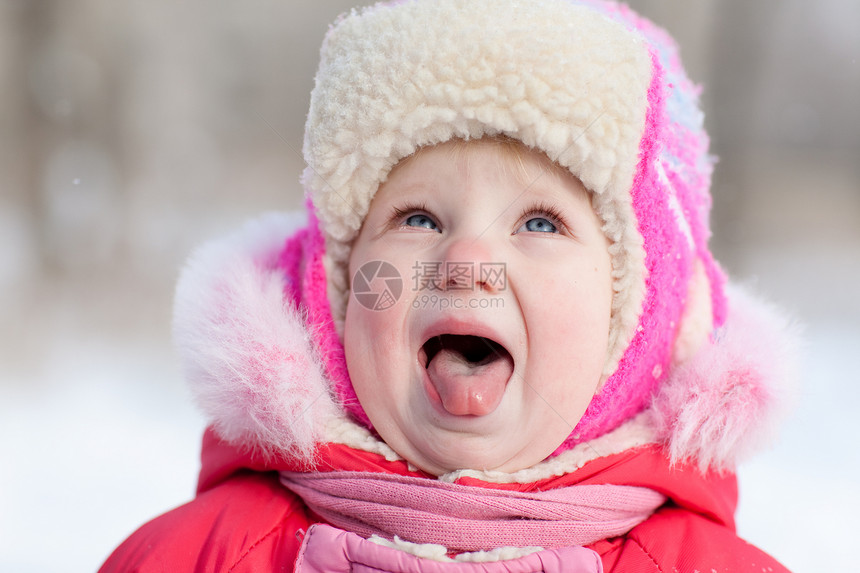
(726, 399)
(243, 341)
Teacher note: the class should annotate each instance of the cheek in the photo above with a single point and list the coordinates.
(362, 364)
(373, 347)
(570, 324)
(354, 336)
(361, 330)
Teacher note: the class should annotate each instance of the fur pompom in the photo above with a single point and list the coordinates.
(246, 352)
(727, 400)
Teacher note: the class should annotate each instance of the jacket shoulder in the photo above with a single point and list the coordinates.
(249, 522)
(675, 539)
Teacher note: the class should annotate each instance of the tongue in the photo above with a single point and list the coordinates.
(468, 388)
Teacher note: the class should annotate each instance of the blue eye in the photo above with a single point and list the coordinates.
(421, 221)
(540, 225)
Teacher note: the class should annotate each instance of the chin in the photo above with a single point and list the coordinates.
(463, 455)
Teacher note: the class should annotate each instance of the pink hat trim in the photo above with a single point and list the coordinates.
(302, 264)
(669, 262)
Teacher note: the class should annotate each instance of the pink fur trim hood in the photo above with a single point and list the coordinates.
(259, 350)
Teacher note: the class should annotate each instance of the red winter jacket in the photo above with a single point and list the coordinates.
(243, 519)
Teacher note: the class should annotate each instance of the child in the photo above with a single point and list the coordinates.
(500, 342)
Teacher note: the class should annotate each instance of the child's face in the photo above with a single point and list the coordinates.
(494, 370)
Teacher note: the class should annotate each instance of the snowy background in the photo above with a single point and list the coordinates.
(131, 130)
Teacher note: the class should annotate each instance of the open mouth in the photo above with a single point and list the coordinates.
(472, 350)
(469, 373)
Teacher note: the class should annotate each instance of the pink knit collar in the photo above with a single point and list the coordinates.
(468, 518)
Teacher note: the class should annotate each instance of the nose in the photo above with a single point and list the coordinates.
(470, 263)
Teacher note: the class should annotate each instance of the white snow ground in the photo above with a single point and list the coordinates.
(97, 435)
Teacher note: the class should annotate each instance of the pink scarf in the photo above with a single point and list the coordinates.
(469, 518)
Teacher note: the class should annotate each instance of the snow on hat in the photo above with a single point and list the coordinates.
(598, 89)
